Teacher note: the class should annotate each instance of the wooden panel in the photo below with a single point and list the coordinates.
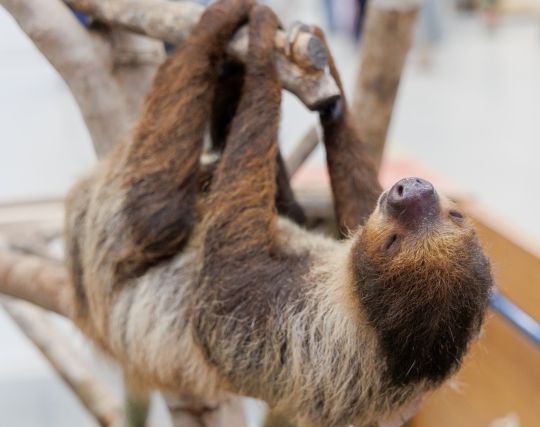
(515, 258)
(500, 376)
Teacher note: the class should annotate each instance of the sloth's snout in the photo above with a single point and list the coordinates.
(412, 201)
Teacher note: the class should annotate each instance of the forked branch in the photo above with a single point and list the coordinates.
(83, 61)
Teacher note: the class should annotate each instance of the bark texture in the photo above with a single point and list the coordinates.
(386, 41)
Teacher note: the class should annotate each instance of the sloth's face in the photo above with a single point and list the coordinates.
(423, 280)
(411, 218)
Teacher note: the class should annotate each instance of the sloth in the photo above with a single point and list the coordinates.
(216, 291)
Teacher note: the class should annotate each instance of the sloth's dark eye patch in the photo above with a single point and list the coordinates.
(455, 214)
(391, 242)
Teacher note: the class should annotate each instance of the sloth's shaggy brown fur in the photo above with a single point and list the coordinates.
(209, 295)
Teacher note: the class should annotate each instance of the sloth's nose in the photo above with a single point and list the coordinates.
(412, 201)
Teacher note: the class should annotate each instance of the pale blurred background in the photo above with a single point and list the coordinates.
(468, 108)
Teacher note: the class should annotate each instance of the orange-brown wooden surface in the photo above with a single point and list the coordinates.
(515, 257)
(501, 376)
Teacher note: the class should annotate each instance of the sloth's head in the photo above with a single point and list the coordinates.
(423, 281)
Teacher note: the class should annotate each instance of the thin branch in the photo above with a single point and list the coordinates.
(302, 150)
(97, 398)
(160, 19)
(301, 64)
(385, 44)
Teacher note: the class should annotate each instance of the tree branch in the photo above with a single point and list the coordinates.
(386, 42)
(136, 59)
(109, 76)
(41, 282)
(301, 64)
(302, 150)
(83, 62)
(97, 398)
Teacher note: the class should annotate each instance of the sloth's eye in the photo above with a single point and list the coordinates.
(455, 214)
(391, 242)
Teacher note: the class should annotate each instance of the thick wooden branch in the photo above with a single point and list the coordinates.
(96, 397)
(36, 280)
(385, 43)
(83, 62)
(301, 64)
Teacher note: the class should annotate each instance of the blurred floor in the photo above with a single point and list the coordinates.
(473, 116)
